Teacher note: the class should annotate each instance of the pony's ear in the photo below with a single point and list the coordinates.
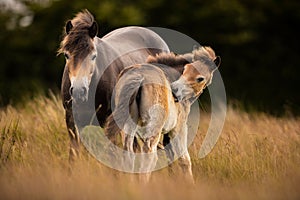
(195, 47)
(69, 26)
(217, 61)
(93, 30)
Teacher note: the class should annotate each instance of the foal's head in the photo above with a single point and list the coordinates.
(197, 75)
(79, 49)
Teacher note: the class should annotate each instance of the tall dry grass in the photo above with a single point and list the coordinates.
(257, 156)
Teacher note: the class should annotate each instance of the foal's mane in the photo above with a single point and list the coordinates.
(77, 41)
(169, 59)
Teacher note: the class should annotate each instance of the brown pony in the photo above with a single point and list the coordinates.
(145, 107)
(92, 67)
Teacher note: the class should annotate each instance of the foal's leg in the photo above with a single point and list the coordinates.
(168, 147)
(186, 166)
(181, 148)
(169, 151)
(128, 154)
(148, 157)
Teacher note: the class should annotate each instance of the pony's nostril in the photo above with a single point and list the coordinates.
(84, 91)
(71, 91)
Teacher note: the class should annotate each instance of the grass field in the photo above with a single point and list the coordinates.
(256, 157)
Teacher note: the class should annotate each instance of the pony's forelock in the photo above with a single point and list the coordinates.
(77, 42)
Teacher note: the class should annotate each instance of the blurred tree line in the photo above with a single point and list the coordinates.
(258, 41)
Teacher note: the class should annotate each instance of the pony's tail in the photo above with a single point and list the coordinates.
(128, 100)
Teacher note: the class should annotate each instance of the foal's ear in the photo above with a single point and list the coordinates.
(69, 26)
(217, 61)
(195, 47)
(93, 30)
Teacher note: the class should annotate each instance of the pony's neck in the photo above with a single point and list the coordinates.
(107, 62)
(106, 55)
(99, 56)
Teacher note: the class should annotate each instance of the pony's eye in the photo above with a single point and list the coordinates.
(94, 57)
(66, 56)
(200, 79)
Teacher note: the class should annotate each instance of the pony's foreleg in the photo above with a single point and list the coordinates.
(74, 148)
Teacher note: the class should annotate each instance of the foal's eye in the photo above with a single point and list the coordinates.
(200, 79)
(66, 56)
(94, 57)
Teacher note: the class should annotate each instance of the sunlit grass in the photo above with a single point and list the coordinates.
(257, 156)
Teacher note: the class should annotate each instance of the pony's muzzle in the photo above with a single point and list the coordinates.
(79, 95)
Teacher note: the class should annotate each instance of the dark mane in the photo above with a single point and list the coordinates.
(169, 59)
(78, 42)
(83, 19)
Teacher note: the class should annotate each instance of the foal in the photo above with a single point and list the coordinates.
(146, 108)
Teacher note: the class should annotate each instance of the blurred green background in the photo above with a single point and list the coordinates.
(258, 41)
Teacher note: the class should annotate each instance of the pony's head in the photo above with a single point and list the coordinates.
(79, 49)
(197, 75)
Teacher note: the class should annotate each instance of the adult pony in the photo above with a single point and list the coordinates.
(145, 107)
(92, 67)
